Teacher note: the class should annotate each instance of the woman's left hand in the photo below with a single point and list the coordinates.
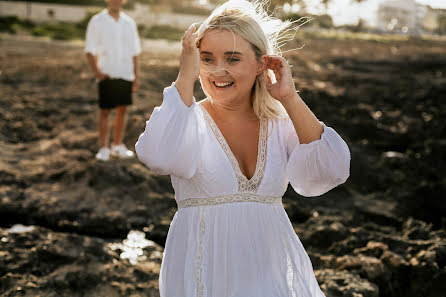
(283, 89)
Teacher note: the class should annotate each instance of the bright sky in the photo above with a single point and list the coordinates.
(346, 11)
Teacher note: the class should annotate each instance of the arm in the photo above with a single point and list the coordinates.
(307, 126)
(189, 67)
(135, 85)
(91, 48)
(318, 158)
(92, 61)
(136, 51)
(173, 138)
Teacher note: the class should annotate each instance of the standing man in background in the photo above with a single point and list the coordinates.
(112, 47)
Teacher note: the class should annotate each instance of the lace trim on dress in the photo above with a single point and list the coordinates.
(199, 258)
(239, 197)
(244, 184)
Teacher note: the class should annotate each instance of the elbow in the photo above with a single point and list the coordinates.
(160, 163)
(149, 159)
(144, 153)
(345, 160)
(346, 172)
(322, 180)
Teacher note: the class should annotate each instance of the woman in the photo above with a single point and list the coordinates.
(230, 158)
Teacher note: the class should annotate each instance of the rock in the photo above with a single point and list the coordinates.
(344, 284)
(379, 211)
(385, 226)
(372, 249)
(367, 267)
(40, 262)
(323, 236)
(416, 229)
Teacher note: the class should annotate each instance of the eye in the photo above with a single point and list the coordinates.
(206, 59)
(233, 59)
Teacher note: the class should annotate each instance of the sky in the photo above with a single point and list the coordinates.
(347, 12)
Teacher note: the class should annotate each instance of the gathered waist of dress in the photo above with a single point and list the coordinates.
(238, 197)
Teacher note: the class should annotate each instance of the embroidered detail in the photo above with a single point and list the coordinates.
(290, 273)
(239, 197)
(244, 184)
(199, 258)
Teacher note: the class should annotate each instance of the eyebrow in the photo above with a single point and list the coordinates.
(226, 53)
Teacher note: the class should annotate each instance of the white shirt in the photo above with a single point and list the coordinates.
(114, 42)
(231, 236)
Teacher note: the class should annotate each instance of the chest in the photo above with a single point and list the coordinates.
(221, 173)
(243, 141)
(114, 35)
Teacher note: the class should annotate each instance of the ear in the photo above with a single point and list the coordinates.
(262, 64)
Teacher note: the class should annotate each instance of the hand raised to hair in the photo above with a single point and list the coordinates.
(283, 89)
(189, 66)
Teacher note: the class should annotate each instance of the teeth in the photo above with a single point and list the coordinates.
(222, 84)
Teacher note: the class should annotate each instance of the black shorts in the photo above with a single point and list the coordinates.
(114, 92)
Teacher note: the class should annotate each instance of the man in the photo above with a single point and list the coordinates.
(112, 47)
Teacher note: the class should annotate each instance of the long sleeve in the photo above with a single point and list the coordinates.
(172, 141)
(317, 167)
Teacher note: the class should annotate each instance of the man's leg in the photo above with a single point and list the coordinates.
(118, 149)
(119, 125)
(103, 127)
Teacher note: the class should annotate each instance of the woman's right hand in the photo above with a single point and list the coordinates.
(189, 66)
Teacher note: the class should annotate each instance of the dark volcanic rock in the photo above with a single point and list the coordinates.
(39, 262)
(344, 284)
(382, 233)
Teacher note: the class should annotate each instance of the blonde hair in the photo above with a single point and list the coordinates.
(266, 35)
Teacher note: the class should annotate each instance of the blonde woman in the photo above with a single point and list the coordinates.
(230, 158)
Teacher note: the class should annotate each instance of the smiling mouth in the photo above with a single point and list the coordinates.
(222, 85)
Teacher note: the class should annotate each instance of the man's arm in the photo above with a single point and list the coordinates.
(135, 85)
(92, 61)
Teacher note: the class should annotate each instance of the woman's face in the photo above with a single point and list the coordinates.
(228, 66)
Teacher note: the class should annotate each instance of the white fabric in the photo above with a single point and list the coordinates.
(115, 43)
(237, 249)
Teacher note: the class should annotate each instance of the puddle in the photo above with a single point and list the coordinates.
(19, 228)
(133, 247)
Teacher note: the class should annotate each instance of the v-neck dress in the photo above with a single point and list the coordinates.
(231, 236)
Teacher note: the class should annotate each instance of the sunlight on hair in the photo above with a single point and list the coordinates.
(266, 34)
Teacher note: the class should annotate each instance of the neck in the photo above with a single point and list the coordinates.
(114, 12)
(241, 109)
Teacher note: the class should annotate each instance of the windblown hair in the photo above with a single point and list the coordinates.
(265, 33)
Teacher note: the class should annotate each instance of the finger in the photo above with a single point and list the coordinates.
(269, 83)
(277, 72)
(275, 58)
(275, 65)
(190, 37)
(194, 37)
(190, 30)
(277, 61)
(188, 33)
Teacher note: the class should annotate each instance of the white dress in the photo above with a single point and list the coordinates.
(231, 236)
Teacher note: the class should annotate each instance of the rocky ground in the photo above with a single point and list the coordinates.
(72, 226)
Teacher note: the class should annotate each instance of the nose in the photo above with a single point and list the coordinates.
(219, 71)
